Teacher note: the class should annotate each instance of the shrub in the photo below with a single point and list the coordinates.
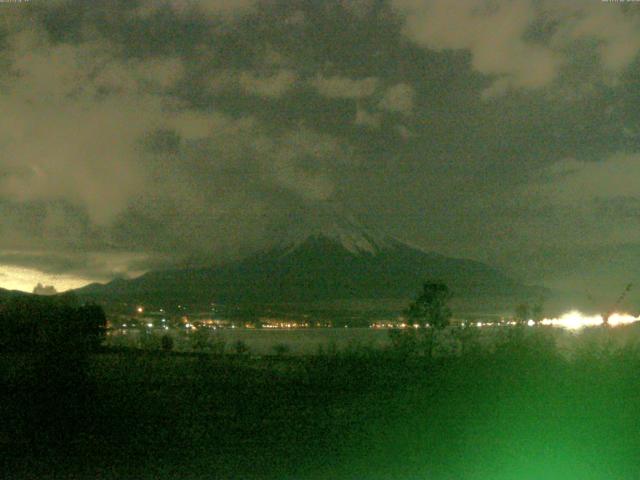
(218, 346)
(241, 348)
(149, 340)
(166, 343)
(281, 349)
(403, 342)
(200, 340)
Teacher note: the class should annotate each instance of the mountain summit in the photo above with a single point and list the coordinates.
(331, 222)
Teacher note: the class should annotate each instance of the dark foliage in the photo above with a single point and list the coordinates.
(521, 410)
(49, 324)
(52, 338)
(431, 308)
(166, 343)
(431, 313)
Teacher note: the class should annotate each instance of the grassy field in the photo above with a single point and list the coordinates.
(517, 411)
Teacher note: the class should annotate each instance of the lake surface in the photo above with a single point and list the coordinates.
(306, 341)
(263, 341)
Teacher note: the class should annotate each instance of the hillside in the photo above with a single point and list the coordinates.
(318, 268)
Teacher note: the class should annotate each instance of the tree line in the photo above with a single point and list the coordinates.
(30, 323)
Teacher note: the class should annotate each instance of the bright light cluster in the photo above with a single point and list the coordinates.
(575, 320)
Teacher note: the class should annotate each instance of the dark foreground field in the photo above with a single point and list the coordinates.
(521, 411)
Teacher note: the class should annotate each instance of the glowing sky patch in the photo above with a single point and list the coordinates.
(24, 279)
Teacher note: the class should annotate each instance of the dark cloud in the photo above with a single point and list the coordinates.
(152, 133)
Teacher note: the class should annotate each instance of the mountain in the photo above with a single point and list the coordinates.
(323, 257)
(8, 294)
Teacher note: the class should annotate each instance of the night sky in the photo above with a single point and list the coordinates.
(146, 134)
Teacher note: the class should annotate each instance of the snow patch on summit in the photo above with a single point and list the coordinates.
(336, 226)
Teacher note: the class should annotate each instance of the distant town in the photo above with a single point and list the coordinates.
(185, 319)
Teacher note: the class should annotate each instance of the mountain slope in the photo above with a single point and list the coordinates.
(317, 268)
(8, 294)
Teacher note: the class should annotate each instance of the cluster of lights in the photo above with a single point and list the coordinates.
(384, 325)
(510, 323)
(396, 325)
(285, 325)
(575, 320)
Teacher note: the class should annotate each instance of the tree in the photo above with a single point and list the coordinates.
(537, 313)
(522, 313)
(431, 309)
(51, 324)
(92, 323)
(166, 343)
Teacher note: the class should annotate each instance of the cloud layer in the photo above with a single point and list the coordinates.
(155, 133)
(524, 43)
